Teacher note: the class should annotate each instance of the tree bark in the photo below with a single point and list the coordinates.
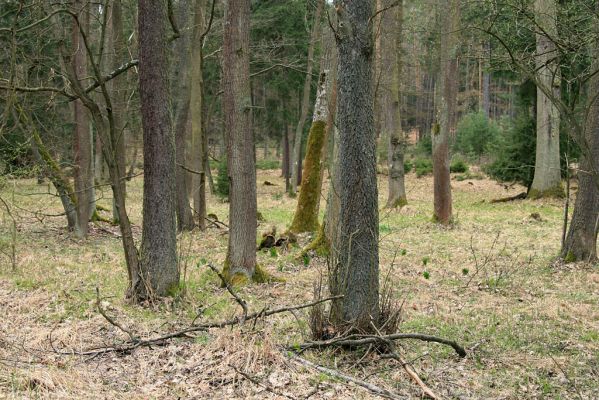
(305, 218)
(240, 264)
(182, 84)
(445, 102)
(158, 258)
(547, 177)
(82, 147)
(297, 139)
(355, 262)
(119, 94)
(199, 140)
(486, 80)
(581, 241)
(392, 40)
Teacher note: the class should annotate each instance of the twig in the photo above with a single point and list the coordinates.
(112, 321)
(377, 390)
(361, 340)
(259, 383)
(238, 299)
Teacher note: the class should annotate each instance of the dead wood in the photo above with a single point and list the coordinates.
(519, 196)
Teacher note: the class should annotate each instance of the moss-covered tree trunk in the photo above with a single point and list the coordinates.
(297, 139)
(547, 177)
(355, 263)
(305, 218)
(445, 101)
(391, 33)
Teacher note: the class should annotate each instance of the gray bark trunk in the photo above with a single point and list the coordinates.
(547, 177)
(159, 269)
(355, 264)
(241, 253)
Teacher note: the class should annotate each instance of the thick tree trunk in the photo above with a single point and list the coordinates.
(297, 139)
(199, 141)
(305, 218)
(119, 94)
(391, 36)
(240, 264)
(182, 84)
(82, 147)
(159, 269)
(547, 177)
(355, 272)
(581, 241)
(445, 102)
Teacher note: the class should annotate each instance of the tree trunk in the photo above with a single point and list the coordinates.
(305, 218)
(486, 80)
(581, 241)
(240, 264)
(297, 139)
(158, 258)
(199, 142)
(82, 147)
(392, 100)
(182, 84)
(547, 177)
(286, 159)
(119, 94)
(355, 272)
(445, 101)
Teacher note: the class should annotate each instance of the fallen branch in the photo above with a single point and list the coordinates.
(374, 389)
(361, 340)
(257, 382)
(519, 196)
(238, 299)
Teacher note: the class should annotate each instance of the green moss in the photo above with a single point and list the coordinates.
(239, 278)
(556, 192)
(320, 244)
(399, 203)
(570, 257)
(306, 216)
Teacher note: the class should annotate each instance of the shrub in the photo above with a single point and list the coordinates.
(407, 166)
(476, 134)
(423, 166)
(268, 164)
(425, 146)
(458, 165)
(222, 180)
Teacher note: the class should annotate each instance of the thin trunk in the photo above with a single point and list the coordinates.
(355, 261)
(240, 264)
(199, 140)
(486, 80)
(83, 171)
(547, 177)
(158, 255)
(286, 158)
(445, 102)
(392, 118)
(182, 84)
(297, 139)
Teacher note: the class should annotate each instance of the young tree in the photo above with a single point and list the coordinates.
(158, 255)
(83, 171)
(355, 272)
(547, 177)
(391, 32)
(445, 100)
(240, 264)
(297, 139)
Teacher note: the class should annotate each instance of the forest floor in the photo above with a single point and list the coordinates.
(490, 282)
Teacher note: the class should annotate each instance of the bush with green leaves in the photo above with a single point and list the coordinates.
(423, 166)
(476, 135)
(458, 166)
(407, 166)
(222, 180)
